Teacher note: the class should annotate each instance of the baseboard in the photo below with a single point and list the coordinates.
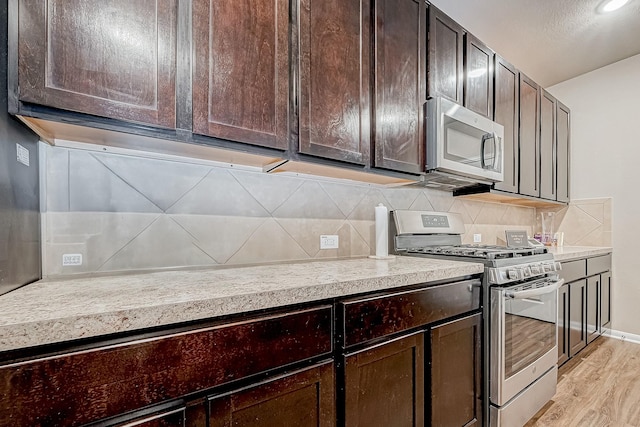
(623, 336)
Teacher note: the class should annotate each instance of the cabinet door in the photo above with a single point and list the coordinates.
(334, 94)
(241, 71)
(529, 142)
(605, 301)
(113, 59)
(446, 44)
(400, 36)
(563, 324)
(506, 113)
(384, 385)
(547, 146)
(302, 399)
(577, 316)
(593, 308)
(563, 136)
(478, 72)
(456, 373)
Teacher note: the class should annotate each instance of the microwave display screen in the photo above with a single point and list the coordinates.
(435, 221)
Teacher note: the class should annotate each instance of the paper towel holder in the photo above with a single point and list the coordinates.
(382, 233)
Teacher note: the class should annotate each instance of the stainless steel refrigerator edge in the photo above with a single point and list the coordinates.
(20, 253)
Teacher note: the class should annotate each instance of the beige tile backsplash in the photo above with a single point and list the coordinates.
(126, 212)
(585, 222)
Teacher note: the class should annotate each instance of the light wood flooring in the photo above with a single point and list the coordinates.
(600, 386)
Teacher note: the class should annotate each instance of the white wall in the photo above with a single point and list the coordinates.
(605, 162)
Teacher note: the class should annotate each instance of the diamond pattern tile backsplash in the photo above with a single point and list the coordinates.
(125, 212)
(584, 222)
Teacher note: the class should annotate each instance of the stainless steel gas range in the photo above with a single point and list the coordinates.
(519, 301)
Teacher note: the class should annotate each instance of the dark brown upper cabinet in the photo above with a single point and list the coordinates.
(548, 163)
(529, 137)
(446, 46)
(241, 71)
(478, 76)
(506, 107)
(113, 59)
(334, 68)
(400, 55)
(563, 145)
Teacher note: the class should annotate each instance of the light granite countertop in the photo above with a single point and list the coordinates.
(60, 310)
(568, 253)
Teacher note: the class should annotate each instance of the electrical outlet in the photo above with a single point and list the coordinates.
(328, 241)
(71, 260)
(477, 238)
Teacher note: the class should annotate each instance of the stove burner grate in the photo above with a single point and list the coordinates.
(479, 251)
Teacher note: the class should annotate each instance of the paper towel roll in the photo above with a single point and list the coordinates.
(382, 231)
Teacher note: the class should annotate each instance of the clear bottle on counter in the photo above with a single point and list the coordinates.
(548, 227)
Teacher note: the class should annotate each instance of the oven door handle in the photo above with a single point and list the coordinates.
(534, 292)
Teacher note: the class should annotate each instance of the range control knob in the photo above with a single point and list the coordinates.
(526, 271)
(512, 274)
(536, 270)
(548, 267)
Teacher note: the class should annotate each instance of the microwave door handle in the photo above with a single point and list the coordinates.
(496, 151)
(534, 292)
(485, 137)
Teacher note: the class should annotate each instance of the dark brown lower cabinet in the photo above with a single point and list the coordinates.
(563, 324)
(593, 308)
(272, 369)
(384, 385)
(584, 304)
(303, 399)
(577, 316)
(117, 380)
(605, 301)
(456, 398)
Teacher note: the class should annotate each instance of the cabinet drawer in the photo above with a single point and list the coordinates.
(599, 264)
(89, 385)
(573, 270)
(366, 319)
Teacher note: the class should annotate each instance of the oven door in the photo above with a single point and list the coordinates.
(523, 333)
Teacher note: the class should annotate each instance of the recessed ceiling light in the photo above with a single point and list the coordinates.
(612, 5)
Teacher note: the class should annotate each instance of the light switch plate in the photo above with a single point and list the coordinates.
(477, 238)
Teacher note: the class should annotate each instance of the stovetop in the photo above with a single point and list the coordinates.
(487, 252)
(439, 235)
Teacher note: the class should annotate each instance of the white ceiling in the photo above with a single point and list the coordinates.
(550, 40)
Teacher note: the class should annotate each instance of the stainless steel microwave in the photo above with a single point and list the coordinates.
(463, 147)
